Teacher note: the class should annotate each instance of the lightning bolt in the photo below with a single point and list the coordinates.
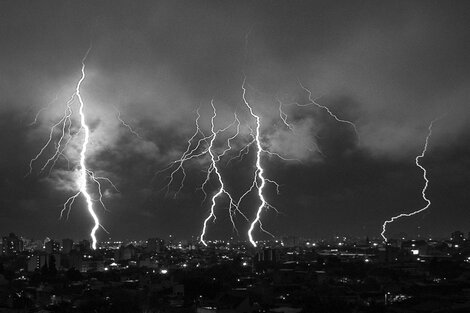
(82, 180)
(283, 116)
(190, 153)
(244, 150)
(423, 191)
(325, 108)
(64, 125)
(259, 172)
(233, 206)
(201, 145)
(35, 120)
(129, 127)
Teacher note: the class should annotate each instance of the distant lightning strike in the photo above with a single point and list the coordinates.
(259, 173)
(65, 126)
(215, 158)
(214, 169)
(423, 191)
(260, 181)
(201, 145)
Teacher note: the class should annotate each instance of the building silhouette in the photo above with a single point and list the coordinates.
(52, 247)
(12, 244)
(67, 245)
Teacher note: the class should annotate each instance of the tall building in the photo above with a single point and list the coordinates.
(67, 245)
(52, 246)
(36, 261)
(12, 244)
(39, 260)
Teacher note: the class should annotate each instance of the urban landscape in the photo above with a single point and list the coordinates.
(234, 156)
(287, 275)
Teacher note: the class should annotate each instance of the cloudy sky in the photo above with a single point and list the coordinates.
(389, 67)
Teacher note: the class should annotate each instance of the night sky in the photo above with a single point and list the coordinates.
(389, 67)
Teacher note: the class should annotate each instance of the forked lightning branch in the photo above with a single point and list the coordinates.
(61, 134)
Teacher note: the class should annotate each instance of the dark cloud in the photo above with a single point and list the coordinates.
(389, 67)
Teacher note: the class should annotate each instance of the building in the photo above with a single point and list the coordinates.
(268, 255)
(38, 261)
(125, 253)
(91, 265)
(67, 245)
(52, 247)
(12, 245)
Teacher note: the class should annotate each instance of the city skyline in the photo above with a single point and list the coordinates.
(158, 71)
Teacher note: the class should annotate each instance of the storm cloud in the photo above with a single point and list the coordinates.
(390, 68)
